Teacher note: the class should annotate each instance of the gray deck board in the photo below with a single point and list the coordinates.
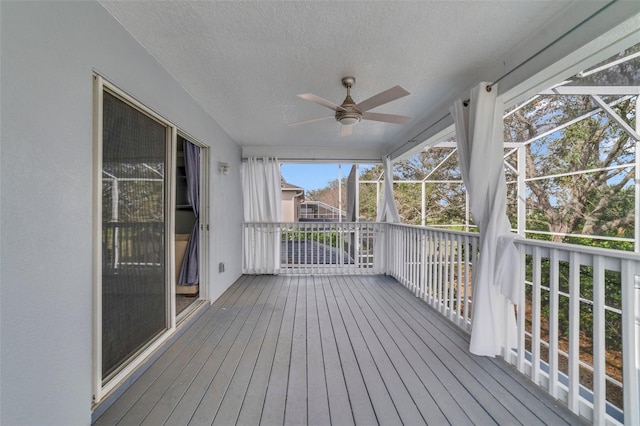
(506, 383)
(328, 350)
(296, 404)
(340, 410)
(360, 401)
(251, 409)
(317, 412)
(388, 334)
(234, 396)
(389, 372)
(460, 364)
(193, 397)
(214, 394)
(381, 399)
(275, 398)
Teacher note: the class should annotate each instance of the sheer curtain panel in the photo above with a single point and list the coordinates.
(479, 133)
(387, 212)
(261, 192)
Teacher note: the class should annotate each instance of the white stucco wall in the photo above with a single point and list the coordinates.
(48, 53)
(289, 206)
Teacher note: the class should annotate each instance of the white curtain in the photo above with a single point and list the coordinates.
(261, 192)
(387, 212)
(479, 133)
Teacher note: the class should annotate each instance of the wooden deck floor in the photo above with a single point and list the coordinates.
(328, 350)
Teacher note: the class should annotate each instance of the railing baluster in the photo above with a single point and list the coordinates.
(599, 373)
(468, 251)
(450, 283)
(574, 332)
(423, 264)
(520, 360)
(414, 262)
(446, 277)
(300, 253)
(405, 259)
(554, 286)
(440, 274)
(459, 280)
(535, 317)
(429, 271)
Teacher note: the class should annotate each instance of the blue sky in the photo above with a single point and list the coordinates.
(313, 176)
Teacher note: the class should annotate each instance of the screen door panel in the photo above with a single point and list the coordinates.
(134, 279)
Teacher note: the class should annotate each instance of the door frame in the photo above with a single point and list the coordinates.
(100, 387)
(203, 253)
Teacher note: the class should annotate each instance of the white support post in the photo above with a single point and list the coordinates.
(521, 193)
(423, 203)
(357, 185)
(466, 210)
(377, 196)
(339, 192)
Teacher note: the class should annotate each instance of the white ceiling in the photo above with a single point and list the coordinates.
(245, 62)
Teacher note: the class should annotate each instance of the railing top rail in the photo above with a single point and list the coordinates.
(309, 224)
(611, 253)
(431, 228)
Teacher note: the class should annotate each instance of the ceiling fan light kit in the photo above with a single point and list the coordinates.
(350, 113)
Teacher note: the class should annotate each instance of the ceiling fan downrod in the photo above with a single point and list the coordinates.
(349, 114)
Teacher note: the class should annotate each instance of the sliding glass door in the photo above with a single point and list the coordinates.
(136, 226)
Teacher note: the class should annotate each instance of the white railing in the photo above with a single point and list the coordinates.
(579, 338)
(579, 332)
(321, 247)
(436, 266)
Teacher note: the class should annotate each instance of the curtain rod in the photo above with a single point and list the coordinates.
(526, 61)
(322, 160)
(539, 52)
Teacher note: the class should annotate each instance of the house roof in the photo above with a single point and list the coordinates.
(286, 186)
(245, 62)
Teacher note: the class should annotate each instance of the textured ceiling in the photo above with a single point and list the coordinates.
(245, 62)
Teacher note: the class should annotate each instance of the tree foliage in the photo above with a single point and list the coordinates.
(330, 194)
(598, 201)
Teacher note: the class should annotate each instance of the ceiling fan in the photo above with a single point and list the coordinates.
(350, 113)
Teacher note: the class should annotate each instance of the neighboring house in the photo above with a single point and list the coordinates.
(312, 211)
(292, 197)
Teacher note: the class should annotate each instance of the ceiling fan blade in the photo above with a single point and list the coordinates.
(346, 130)
(317, 99)
(313, 120)
(387, 118)
(381, 98)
